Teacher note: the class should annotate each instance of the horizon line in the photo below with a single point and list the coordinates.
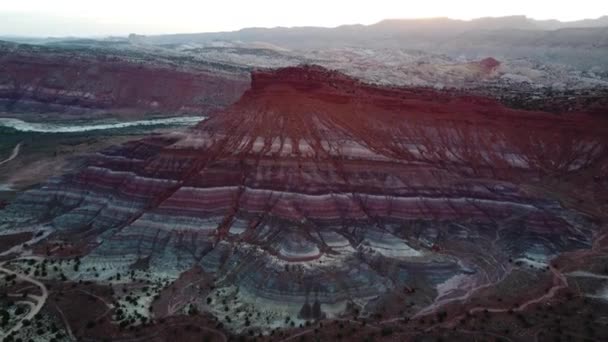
(127, 35)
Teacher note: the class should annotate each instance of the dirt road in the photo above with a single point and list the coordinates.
(40, 300)
(13, 155)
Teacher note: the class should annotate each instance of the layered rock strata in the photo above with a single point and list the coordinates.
(73, 81)
(315, 191)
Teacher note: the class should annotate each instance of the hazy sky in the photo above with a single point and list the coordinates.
(120, 17)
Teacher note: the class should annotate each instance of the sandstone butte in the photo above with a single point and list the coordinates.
(361, 189)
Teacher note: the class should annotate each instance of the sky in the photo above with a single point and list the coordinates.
(121, 17)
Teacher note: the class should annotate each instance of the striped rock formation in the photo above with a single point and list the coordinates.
(97, 82)
(315, 193)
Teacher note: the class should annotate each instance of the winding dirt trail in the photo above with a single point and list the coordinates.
(65, 322)
(559, 280)
(40, 300)
(13, 155)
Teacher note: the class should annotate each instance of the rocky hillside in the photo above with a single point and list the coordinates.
(93, 81)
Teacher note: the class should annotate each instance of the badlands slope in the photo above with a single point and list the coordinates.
(89, 82)
(317, 196)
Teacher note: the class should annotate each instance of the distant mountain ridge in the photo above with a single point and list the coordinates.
(579, 44)
(432, 26)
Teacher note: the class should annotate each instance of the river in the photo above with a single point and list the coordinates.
(65, 127)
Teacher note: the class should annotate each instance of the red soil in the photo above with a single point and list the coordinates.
(9, 241)
(489, 64)
(190, 287)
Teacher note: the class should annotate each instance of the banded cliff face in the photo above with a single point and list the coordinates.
(43, 80)
(314, 193)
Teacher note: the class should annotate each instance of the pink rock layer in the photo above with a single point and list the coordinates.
(82, 82)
